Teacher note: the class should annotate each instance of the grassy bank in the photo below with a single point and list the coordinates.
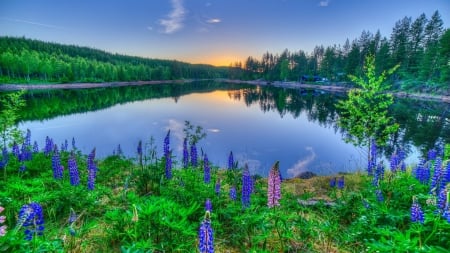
(66, 201)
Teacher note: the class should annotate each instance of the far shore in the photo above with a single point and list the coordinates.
(334, 88)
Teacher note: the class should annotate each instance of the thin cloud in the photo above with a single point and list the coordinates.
(302, 165)
(213, 21)
(324, 3)
(175, 18)
(32, 23)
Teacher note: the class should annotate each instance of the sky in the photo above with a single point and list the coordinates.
(217, 32)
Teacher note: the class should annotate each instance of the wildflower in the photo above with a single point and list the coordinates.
(92, 170)
(32, 219)
(35, 147)
(422, 172)
(416, 212)
(48, 146)
(168, 166)
(27, 140)
(217, 187)
(25, 154)
(372, 158)
(72, 217)
(432, 154)
(246, 187)
(205, 235)
(379, 195)
(167, 143)
(446, 215)
(5, 156)
(73, 170)
(333, 182)
(74, 147)
(231, 161)
(436, 184)
(233, 193)
(15, 150)
(193, 155)
(395, 162)
(2, 220)
(208, 205)
(274, 186)
(139, 151)
(340, 183)
(56, 165)
(207, 170)
(185, 154)
(441, 203)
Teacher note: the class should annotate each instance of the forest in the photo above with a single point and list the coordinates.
(421, 46)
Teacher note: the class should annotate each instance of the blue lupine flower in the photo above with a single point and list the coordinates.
(333, 181)
(167, 144)
(436, 184)
(35, 147)
(340, 183)
(22, 168)
(372, 163)
(378, 174)
(379, 195)
(48, 146)
(417, 213)
(168, 167)
(5, 155)
(205, 235)
(233, 193)
(92, 170)
(441, 203)
(193, 155)
(27, 140)
(231, 161)
(15, 150)
(246, 187)
(56, 165)
(73, 170)
(217, 187)
(422, 172)
(446, 215)
(206, 170)
(32, 219)
(431, 154)
(185, 154)
(395, 162)
(208, 205)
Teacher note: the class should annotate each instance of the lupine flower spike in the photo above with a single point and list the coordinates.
(205, 235)
(246, 187)
(73, 170)
(274, 186)
(208, 205)
(193, 155)
(92, 170)
(416, 212)
(31, 218)
(185, 154)
(217, 187)
(233, 194)
(206, 170)
(231, 161)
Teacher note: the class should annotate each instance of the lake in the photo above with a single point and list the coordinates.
(260, 125)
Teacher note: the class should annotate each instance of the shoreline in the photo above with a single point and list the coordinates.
(289, 85)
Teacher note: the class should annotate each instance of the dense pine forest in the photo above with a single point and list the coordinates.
(421, 46)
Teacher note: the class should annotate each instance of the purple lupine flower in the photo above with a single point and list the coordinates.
(74, 147)
(185, 154)
(395, 162)
(246, 187)
(56, 165)
(168, 167)
(2, 220)
(274, 186)
(333, 181)
(35, 147)
(446, 175)
(26, 153)
(27, 140)
(31, 218)
(206, 170)
(193, 155)
(378, 174)
(167, 144)
(208, 205)
(436, 184)
(15, 150)
(340, 183)
(48, 146)
(233, 193)
(139, 151)
(64, 146)
(416, 212)
(422, 172)
(72, 217)
(92, 170)
(372, 163)
(379, 195)
(231, 161)
(431, 154)
(217, 187)
(441, 203)
(205, 235)
(73, 170)
(446, 215)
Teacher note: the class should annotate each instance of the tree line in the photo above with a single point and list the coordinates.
(421, 47)
(27, 60)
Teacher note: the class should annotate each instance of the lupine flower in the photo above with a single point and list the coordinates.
(73, 170)
(22, 168)
(431, 154)
(436, 184)
(92, 170)
(139, 151)
(15, 150)
(168, 166)
(395, 162)
(32, 219)
(446, 176)
(56, 164)
(379, 195)
(246, 187)
(5, 155)
(72, 217)
(422, 172)
(2, 220)
(446, 215)
(333, 182)
(35, 147)
(231, 161)
(74, 147)
(26, 154)
(416, 212)
(378, 174)
(208, 205)
(441, 203)
(233, 193)
(185, 154)
(167, 144)
(193, 155)
(48, 146)
(372, 163)
(340, 183)
(274, 186)
(206, 170)
(27, 140)
(205, 235)
(217, 187)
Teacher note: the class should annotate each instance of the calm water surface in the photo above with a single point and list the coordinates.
(260, 126)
